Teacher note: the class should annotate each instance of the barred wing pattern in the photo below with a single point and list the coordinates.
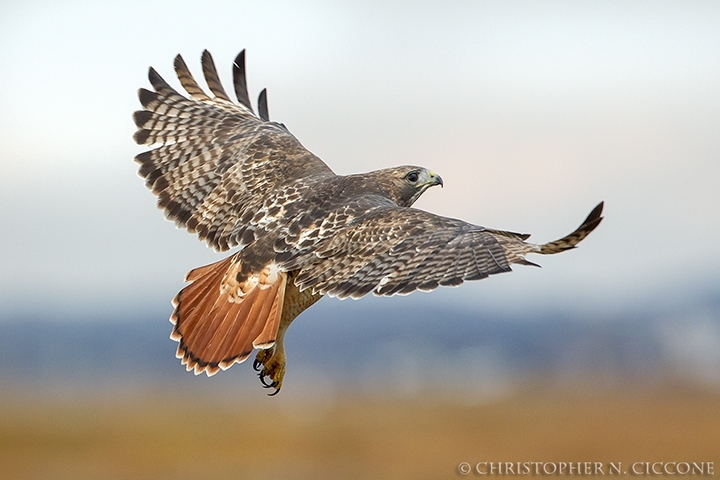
(213, 158)
(393, 250)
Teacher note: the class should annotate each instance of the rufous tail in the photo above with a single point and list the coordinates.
(219, 318)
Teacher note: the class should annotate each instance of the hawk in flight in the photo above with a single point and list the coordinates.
(239, 180)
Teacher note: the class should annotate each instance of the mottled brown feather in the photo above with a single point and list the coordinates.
(212, 78)
(188, 81)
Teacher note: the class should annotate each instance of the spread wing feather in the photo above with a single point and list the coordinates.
(391, 250)
(212, 78)
(263, 106)
(217, 169)
(241, 91)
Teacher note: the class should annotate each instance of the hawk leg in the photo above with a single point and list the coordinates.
(270, 362)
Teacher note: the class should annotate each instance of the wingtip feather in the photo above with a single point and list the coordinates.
(263, 105)
(240, 80)
(146, 97)
(570, 241)
(211, 76)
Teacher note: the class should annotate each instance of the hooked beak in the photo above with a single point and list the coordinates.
(435, 179)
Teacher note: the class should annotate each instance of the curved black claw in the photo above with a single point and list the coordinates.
(270, 368)
(274, 385)
(262, 376)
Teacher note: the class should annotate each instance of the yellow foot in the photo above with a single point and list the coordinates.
(270, 364)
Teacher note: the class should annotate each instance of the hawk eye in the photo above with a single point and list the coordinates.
(412, 177)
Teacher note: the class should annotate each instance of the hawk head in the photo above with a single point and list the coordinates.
(408, 182)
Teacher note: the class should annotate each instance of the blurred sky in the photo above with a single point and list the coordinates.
(532, 112)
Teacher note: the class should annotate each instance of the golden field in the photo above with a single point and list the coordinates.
(175, 434)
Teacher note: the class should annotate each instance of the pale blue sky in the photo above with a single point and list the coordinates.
(531, 111)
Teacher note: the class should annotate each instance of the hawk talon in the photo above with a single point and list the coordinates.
(262, 357)
(270, 364)
(262, 376)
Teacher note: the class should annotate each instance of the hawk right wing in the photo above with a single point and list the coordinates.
(218, 169)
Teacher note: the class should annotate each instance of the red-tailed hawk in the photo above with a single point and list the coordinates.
(236, 179)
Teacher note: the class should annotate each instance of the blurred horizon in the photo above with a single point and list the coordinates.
(399, 348)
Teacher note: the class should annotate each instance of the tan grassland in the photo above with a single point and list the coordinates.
(175, 434)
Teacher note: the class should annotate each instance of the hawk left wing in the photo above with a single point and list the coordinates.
(393, 250)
